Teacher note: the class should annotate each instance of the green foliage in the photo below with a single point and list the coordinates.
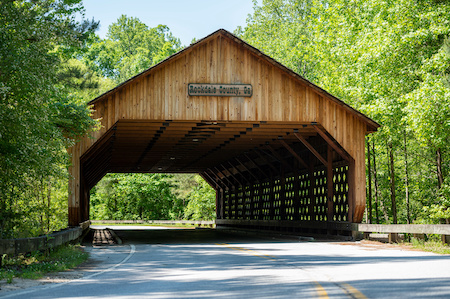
(130, 48)
(433, 244)
(38, 119)
(37, 264)
(201, 201)
(390, 60)
(152, 197)
(132, 197)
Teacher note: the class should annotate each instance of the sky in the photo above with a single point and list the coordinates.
(186, 19)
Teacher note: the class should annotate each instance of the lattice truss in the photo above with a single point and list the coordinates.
(301, 197)
(287, 191)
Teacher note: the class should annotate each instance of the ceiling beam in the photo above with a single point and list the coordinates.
(311, 148)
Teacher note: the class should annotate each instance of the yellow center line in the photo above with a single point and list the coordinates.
(353, 292)
(321, 292)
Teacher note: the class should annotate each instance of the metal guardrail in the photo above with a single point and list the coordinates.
(17, 246)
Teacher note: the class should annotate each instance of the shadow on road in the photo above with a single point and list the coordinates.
(181, 236)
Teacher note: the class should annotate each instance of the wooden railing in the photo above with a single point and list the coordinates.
(417, 230)
(14, 247)
(159, 222)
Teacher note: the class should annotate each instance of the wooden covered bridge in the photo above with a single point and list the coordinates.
(280, 152)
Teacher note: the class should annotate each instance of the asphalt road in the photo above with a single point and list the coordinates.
(213, 264)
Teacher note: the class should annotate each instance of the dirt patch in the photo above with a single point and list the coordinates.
(376, 245)
(20, 283)
(56, 277)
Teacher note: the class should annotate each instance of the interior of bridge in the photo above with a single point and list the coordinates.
(268, 171)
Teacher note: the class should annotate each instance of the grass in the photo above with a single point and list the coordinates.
(433, 244)
(37, 264)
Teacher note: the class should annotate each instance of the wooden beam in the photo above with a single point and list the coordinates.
(257, 166)
(232, 175)
(224, 176)
(238, 171)
(311, 148)
(210, 181)
(246, 169)
(267, 161)
(333, 144)
(278, 157)
(218, 179)
(294, 154)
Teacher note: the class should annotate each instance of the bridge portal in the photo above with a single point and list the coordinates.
(280, 152)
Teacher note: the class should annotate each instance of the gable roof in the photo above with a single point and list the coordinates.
(371, 124)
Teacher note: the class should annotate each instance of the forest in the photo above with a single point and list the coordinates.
(388, 59)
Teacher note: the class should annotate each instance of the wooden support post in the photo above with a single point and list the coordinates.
(252, 202)
(296, 195)
(84, 199)
(351, 189)
(271, 200)
(230, 204)
(244, 201)
(236, 202)
(330, 185)
(221, 211)
(446, 239)
(351, 175)
(261, 202)
(218, 204)
(282, 196)
(312, 196)
(393, 237)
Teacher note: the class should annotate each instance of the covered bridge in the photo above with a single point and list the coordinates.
(280, 152)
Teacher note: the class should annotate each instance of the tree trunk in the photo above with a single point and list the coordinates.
(369, 170)
(440, 175)
(408, 214)
(377, 189)
(49, 203)
(392, 182)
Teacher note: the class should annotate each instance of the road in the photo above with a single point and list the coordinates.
(213, 264)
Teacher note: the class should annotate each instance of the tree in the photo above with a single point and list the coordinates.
(37, 118)
(133, 196)
(387, 59)
(202, 201)
(130, 48)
